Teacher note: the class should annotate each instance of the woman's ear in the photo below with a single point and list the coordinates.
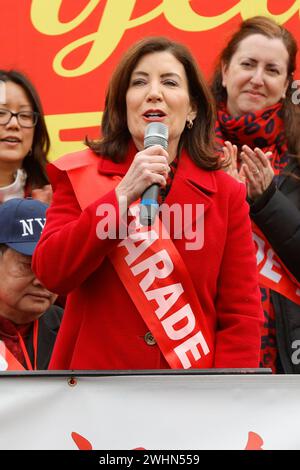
(192, 114)
(193, 111)
(224, 74)
(287, 83)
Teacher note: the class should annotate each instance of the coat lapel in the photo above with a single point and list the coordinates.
(191, 184)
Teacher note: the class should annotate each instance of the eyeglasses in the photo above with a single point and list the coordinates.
(25, 118)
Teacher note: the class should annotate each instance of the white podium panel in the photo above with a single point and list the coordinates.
(151, 412)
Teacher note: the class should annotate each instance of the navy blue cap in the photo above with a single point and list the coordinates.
(21, 224)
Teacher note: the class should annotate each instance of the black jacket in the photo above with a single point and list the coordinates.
(277, 214)
(49, 324)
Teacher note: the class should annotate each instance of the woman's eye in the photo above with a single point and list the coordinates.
(246, 64)
(274, 71)
(137, 82)
(26, 116)
(170, 83)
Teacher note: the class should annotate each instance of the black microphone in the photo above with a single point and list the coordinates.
(156, 133)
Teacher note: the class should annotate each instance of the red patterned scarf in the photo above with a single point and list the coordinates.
(263, 129)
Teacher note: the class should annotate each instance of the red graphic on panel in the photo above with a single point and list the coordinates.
(81, 442)
(255, 442)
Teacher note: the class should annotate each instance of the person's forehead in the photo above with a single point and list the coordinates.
(269, 49)
(15, 256)
(16, 92)
(164, 60)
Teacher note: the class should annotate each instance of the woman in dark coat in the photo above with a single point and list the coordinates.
(258, 130)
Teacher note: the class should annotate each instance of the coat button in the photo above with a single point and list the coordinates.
(149, 339)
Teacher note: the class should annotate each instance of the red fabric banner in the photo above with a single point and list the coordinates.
(69, 48)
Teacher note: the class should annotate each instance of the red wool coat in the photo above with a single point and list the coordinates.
(101, 327)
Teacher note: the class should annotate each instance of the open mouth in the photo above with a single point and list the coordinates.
(154, 114)
(11, 140)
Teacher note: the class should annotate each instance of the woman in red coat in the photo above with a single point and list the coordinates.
(151, 297)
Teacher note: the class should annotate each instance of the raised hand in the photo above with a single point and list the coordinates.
(257, 169)
(230, 154)
(148, 167)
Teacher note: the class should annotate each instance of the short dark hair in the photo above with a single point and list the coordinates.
(198, 141)
(35, 162)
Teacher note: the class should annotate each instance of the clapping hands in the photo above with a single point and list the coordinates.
(255, 171)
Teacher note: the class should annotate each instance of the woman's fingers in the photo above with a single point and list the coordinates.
(256, 169)
(227, 159)
(263, 158)
(253, 166)
(248, 151)
(154, 150)
(251, 178)
(230, 151)
(249, 156)
(150, 166)
(259, 158)
(259, 172)
(242, 174)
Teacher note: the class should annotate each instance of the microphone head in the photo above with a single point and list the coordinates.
(156, 133)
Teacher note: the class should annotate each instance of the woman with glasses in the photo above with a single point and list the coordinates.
(24, 140)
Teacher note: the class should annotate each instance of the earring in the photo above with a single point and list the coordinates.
(189, 124)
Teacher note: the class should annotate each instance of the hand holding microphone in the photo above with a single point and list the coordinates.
(149, 167)
(156, 133)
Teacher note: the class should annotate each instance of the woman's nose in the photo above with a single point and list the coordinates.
(13, 123)
(155, 92)
(257, 77)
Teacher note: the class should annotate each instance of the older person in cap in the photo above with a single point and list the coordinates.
(28, 320)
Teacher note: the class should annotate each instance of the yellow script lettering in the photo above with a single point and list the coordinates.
(45, 13)
(116, 19)
(114, 22)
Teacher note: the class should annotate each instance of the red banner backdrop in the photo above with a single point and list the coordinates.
(69, 48)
